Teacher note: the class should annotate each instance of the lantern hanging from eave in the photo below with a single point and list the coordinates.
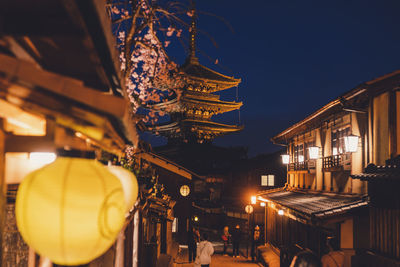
(129, 184)
(351, 143)
(313, 152)
(71, 210)
(285, 158)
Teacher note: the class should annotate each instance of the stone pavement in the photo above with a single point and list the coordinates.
(217, 260)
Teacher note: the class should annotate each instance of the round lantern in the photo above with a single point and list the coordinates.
(184, 190)
(71, 210)
(248, 209)
(129, 184)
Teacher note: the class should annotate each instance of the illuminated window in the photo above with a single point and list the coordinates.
(268, 180)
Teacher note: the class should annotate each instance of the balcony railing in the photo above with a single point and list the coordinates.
(341, 161)
(302, 166)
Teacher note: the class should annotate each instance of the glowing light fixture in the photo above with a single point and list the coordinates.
(184, 190)
(313, 152)
(262, 204)
(196, 219)
(253, 199)
(280, 212)
(285, 158)
(70, 207)
(351, 143)
(249, 209)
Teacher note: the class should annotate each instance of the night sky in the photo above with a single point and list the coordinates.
(293, 57)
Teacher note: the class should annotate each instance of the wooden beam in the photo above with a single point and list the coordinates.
(63, 86)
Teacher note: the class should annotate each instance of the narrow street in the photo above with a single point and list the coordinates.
(218, 259)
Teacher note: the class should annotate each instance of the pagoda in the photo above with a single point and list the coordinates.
(191, 113)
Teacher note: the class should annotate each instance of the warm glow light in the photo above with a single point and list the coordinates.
(351, 143)
(253, 199)
(262, 204)
(184, 190)
(68, 208)
(280, 212)
(42, 158)
(301, 158)
(196, 219)
(285, 158)
(129, 184)
(314, 152)
(249, 209)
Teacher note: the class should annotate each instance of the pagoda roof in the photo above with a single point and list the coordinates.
(198, 100)
(195, 71)
(199, 124)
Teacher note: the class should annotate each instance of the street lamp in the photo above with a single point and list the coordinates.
(285, 158)
(351, 143)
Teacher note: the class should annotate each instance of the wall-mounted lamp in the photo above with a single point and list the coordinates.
(262, 204)
(253, 199)
(285, 158)
(351, 143)
(313, 152)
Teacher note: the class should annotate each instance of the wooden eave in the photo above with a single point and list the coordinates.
(68, 102)
(222, 106)
(315, 119)
(166, 164)
(71, 38)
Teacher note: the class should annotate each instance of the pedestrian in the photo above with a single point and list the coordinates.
(192, 239)
(255, 242)
(236, 240)
(335, 257)
(225, 239)
(204, 251)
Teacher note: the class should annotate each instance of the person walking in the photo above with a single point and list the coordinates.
(225, 239)
(335, 257)
(236, 241)
(255, 242)
(204, 252)
(192, 239)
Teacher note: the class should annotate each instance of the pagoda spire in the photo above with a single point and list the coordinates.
(193, 31)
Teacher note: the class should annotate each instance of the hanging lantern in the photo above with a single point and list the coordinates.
(71, 210)
(285, 158)
(262, 204)
(248, 209)
(313, 152)
(129, 184)
(351, 143)
(253, 199)
(184, 190)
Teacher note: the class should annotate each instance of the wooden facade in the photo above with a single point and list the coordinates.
(370, 112)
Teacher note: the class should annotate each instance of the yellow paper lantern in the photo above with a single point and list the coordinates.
(70, 211)
(129, 184)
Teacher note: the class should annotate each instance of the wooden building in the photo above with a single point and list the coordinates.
(325, 151)
(60, 87)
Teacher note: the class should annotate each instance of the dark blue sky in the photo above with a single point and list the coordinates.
(294, 57)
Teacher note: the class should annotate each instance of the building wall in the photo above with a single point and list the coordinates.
(380, 129)
(2, 185)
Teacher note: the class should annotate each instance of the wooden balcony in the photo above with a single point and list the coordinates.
(341, 162)
(302, 167)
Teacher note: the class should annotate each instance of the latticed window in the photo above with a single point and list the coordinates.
(299, 153)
